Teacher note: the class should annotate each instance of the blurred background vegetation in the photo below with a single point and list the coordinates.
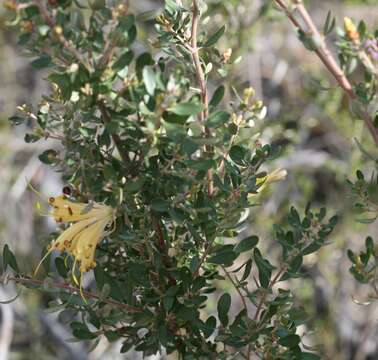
(306, 114)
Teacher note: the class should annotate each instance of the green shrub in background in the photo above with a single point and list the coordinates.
(140, 131)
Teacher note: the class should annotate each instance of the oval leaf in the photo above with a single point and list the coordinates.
(246, 244)
(223, 307)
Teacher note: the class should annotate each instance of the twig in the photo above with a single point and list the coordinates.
(162, 247)
(273, 282)
(203, 258)
(249, 348)
(202, 84)
(236, 288)
(197, 62)
(326, 57)
(72, 290)
(116, 139)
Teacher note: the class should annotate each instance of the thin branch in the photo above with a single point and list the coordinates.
(197, 62)
(326, 57)
(273, 282)
(202, 84)
(203, 258)
(236, 288)
(235, 285)
(72, 290)
(163, 247)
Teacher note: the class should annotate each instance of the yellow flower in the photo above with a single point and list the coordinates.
(90, 222)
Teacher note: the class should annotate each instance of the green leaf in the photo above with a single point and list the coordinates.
(223, 307)
(225, 257)
(329, 24)
(64, 84)
(143, 60)
(177, 215)
(237, 154)
(135, 186)
(61, 267)
(218, 96)
(209, 326)
(111, 336)
(123, 61)
(174, 118)
(213, 39)
(186, 109)
(294, 219)
(126, 346)
(187, 313)
(42, 62)
(369, 243)
(16, 120)
(81, 331)
(362, 28)
(201, 164)
(217, 119)
(168, 303)
(246, 244)
(360, 175)
(149, 79)
(162, 334)
(126, 22)
(99, 277)
(83, 334)
(311, 248)
(247, 270)
(9, 259)
(290, 341)
(296, 263)
(159, 205)
(264, 267)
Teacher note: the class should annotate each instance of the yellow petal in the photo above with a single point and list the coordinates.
(67, 237)
(65, 210)
(276, 175)
(84, 245)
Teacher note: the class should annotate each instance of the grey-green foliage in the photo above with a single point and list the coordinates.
(131, 135)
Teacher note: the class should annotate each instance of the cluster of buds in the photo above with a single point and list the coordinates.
(58, 30)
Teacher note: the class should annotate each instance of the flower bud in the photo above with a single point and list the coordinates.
(227, 55)
(351, 30)
(58, 30)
